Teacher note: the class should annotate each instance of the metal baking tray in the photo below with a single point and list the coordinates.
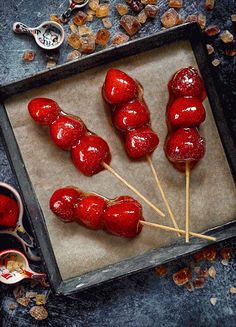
(190, 32)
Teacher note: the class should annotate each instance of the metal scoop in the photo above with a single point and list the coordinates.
(76, 4)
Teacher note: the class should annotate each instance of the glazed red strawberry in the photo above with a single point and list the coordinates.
(131, 115)
(63, 203)
(119, 87)
(186, 112)
(9, 211)
(141, 142)
(184, 144)
(43, 110)
(90, 210)
(122, 218)
(187, 82)
(89, 154)
(66, 131)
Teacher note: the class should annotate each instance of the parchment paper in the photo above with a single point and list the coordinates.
(77, 249)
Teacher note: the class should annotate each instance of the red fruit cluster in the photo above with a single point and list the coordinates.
(185, 113)
(130, 113)
(88, 150)
(9, 211)
(119, 216)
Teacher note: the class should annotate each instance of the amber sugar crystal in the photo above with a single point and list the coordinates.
(130, 24)
(226, 36)
(151, 11)
(209, 4)
(102, 37)
(74, 41)
(103, 10)
(136, 6)
(182, 276)
(80, 18)
(120, 38)
(73, 55)
(161, 270)
(93, 4)
(149, 2)
(122, 9)
(191, 19)
(142, 17)
(170, 18)
(87, 44)
(212, 30)
(177, 4)
(28, 55)
(107, 23)
(201, 19)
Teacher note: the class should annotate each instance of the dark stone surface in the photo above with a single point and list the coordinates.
(141, 299)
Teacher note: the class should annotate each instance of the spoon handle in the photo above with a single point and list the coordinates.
(39, 277)
(22, 28)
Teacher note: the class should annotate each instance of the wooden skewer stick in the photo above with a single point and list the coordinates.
(187, 204)
(149, 159)
(111, 170)
(172, 229)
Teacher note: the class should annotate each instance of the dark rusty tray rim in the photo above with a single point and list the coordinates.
(152, 258)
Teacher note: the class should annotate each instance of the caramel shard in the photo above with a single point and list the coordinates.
(189, 286)
(73, 55)
(208, 254)
(161, 270)
(182, 276)
(199, 283)
(80, 18)
(87, 44)
(210, 49)
(192, 19)
(102, 37)
(136, 6)
(120, 38)
(40, 299)
(212, 30)
(130, 24)
(209, 4)
(28, 55)
(107, 23)
(142, 17)
(212, 272)
(203, 273)
(177, 4)
(12, 306)
(73, 28)
(201, 19)
(122, 9)
(216, 63)
(170, 18)
(151, 11)
(24, 301)
(232, 290)
(89, 18)
(213, 300)
(51, 63)
(38, 313)
(226, 36)
(85, 30)
(233, 18)
(103, 10)
(31, 295)
(93, 4)
(74, 40)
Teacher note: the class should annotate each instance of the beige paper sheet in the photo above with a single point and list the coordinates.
(79, 250)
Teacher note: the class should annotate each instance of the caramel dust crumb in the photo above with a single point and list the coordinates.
(55, 18)
(212, 272)
(18, 291)
(51, 63)
(38, 313)
(189, 286)
(74, 41)
(209, 4)
(28, 55)
(130, 24)
(24, 301)
(177, 4)
(102, 37)
(80, 18)
(208, 254)
(151, 11)
(73, 55)
(226, 36)
(233, 18)
(192, 19)
(107, 23)
(161, 270)
(31, 295)
(122, 9)
(182, 276)
(213, 300)
(226, 253)
(142, 17)
(210, 49)
(212, 30)
(103, 10)
(12, 306)
(232, 290)
(170, 18)
(40, 299)
(120, 38)
(199, 283)
(201, 19)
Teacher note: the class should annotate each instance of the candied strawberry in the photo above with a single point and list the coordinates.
(43, 110)
(187, 82)
(184, 144)
(66, 131)
(141, 142)
(90, 210)
(9, 211)
(122, 218)
(63, 203)
(186, 112)
(119, 87)
(131, 115)
(89, 154)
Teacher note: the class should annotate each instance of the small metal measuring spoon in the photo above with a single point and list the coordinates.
(18, 231)
(73, 4)
(14, 267)
(49, 35)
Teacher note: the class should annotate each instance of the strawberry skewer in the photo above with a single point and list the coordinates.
(131, 116)
(121, 216)
(89, 152)
(184, 146)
